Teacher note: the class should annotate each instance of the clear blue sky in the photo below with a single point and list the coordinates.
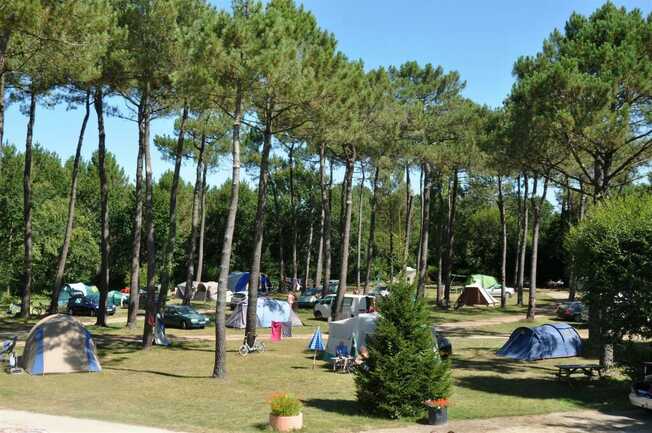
(480, 39)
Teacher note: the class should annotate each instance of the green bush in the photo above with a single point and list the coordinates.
(283, 404)
(403, 369)
(631, 356)
(612, 250)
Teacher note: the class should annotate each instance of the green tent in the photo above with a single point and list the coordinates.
(484, 281)
(117, 298)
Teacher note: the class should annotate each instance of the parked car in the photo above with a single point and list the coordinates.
(237, 299)
(496, 292)
(184, 317)
(352, 305)
(333, 285)
(80, 305)
(575, 311)
(309, 297)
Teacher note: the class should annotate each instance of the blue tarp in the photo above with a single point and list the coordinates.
(239, 282)
(558, 340)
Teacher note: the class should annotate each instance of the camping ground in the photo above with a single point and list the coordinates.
(171, 387)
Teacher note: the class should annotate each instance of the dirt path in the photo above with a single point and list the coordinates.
(14, 421)
(586, 421)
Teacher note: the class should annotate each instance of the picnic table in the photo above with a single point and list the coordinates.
(589, 370)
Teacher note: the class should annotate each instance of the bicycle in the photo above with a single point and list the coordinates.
(246, 349)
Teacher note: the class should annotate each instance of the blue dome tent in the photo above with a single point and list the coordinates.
(239, 282)
(558, 340)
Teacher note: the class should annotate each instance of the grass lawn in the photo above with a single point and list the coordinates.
(171, 387)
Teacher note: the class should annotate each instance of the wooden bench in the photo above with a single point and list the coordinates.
(589, 370)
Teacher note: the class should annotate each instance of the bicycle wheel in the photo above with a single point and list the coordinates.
(260, 346)
(244, 350)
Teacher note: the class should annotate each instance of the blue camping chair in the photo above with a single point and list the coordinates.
(8, 350)
(343, 359)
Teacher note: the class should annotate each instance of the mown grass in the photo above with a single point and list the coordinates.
(172, 387)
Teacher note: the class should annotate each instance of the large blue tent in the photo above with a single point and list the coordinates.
(239, 282)
(558, 340)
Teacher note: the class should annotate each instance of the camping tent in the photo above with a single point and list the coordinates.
(343, 332)
(475, 295)
(201, 291)
(239, 282)
(558, 340)
(59, 344)
(117, 298)
(478, 280)
(70, 289)
(267, 311)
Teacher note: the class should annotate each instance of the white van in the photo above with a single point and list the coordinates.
(352, 306)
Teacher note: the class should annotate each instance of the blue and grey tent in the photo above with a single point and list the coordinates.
(558, 340)
(239, 282)
(59, 344)
(71, 289)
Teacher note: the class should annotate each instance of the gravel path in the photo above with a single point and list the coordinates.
(585, 421)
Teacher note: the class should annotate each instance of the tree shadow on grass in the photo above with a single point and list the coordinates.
(339, 406)
(498, 365)
(159, 373)
(604, 394)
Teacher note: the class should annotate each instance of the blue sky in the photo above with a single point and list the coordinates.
(480, 39)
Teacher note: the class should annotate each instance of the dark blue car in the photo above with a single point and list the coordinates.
(80, 305)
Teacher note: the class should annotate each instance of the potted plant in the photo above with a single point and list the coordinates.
(437, 411)
(285, 412)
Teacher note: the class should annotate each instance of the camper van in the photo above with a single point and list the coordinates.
(353, 305)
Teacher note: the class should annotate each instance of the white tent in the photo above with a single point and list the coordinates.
(342, 332)
(267, 311)
(201, 291)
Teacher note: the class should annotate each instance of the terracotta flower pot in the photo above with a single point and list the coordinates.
(286, 423)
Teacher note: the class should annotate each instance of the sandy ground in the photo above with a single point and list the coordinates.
(14, 421)
(586, 421)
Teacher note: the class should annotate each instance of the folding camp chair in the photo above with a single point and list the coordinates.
(8, 349)
(343, 359)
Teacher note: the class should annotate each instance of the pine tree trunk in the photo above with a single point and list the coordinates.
(194, 232)
(150, 314)
(408, 220)
(390, 217)
(338, 313)
(503, 255)
(134, 282)
(280, 225)
(219, 367)
(519, 221)
(425, 228)
(254, 276)
(171, 239)
(450, 239)
(326, 226)
(420, 213)
(441, 240)
(26, 295)
(72, 200)
(202, 226)
(536, 224)
(308, 255)
(4, 42)
(371, 242)
(295, 264)
(328, 256)
(521, 269)
(359, 241)
(320, 248)
(105, 245)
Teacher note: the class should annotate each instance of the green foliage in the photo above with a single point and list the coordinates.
(284, 404)
(404, 370)
(612, 249)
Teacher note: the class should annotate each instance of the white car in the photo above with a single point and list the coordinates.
(352, 306)
(495, 291)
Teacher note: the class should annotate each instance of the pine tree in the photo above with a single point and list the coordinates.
(404, 370)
